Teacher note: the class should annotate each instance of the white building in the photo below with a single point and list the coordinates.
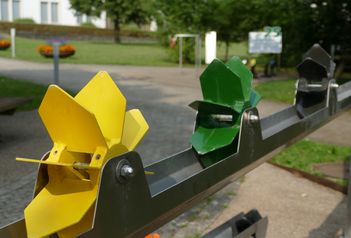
(47, 12)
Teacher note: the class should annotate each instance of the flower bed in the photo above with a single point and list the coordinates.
(48, 51)
(4, 44)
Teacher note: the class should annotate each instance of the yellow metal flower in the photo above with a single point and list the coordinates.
(86, 130)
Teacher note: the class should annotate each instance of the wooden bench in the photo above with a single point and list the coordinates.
(9, 105)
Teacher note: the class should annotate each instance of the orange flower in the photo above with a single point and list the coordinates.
(65, 50)
(4, 44)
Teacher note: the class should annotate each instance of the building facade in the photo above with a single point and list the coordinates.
(47, 12)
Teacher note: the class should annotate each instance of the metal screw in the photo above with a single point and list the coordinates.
(98, 156)
(127, 171)
(334, 85)
(253, 118)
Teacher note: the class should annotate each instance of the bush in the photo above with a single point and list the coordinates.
(24, 20)
(4, 44)
(88, 24)
(188, 51)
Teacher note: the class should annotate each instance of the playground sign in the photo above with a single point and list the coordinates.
(267, 41)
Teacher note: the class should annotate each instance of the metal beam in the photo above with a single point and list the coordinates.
(143, 204)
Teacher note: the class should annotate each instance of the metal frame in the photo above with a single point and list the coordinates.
(143, 204)
(241, 226)
(197, 50)
(133, 204)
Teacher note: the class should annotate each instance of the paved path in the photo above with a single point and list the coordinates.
(162, 94)
(296, 207)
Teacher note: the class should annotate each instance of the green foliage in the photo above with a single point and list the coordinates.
(277, 90)
(16, 88)
(188, 51)
(119, 11)
(180, 16)
(24, 20)
(305, 153)
(88, 24)
(303, 22)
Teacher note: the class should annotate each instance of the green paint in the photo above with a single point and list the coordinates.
(227, 93)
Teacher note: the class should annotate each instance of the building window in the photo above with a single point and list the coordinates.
(4, 4)
(44, 12)
(16, 9)
(54, 12)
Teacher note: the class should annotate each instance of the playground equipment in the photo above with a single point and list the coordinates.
(92, 184)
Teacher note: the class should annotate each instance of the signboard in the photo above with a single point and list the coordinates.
(268, 41)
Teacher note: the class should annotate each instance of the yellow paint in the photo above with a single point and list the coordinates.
(86, 130)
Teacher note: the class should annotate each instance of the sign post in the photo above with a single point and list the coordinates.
(13, 42)
(56, 57)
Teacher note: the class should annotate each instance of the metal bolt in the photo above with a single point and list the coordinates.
(334, 85)
(253, 118)
(127, 171)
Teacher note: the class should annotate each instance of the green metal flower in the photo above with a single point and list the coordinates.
(227, 92)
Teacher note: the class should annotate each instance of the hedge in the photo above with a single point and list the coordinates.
(71, 32)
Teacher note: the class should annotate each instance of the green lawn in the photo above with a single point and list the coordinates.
(305, 153)
(16, 88)
(277, 90)
(96, 53)
(88, 52)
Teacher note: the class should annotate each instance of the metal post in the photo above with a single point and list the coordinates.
(56, 56)
(348, 221)
(181, 52)
(196, 54)
(13, 42)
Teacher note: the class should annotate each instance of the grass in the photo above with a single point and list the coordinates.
(277, 90)
(96, 53)
(88, 52)
(306, 153)
(284, 90)
(17, 88)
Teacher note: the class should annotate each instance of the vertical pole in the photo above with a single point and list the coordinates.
(197, 55)
(200, 49)
(332, 51)
(348, 210)
(13, 42)
(56, 55)
(181, 52)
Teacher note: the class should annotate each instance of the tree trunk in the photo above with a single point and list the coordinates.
(117, 34)
(227, 43)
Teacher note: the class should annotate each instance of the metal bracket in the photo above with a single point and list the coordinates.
(315, 79)
(241, 226)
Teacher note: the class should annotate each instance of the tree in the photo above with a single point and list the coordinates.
(119, 11)
(179, 16)
(231, 19)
